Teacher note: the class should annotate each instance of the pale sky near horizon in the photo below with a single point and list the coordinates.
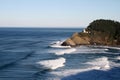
(56, 13)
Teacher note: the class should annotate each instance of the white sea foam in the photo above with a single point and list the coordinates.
(57, 44)
(65, 51)
(88, 50)
(78, 50)
(53, 64)
(100, 63)
(97, 64)
(118, 48)
(118, 58)
(89, 72)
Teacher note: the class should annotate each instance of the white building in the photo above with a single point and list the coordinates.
(84, 30)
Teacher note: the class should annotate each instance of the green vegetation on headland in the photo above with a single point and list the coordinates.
(99, 32)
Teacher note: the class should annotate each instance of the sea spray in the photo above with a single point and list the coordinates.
(118, 58)
(65, 51)
(53, 64)
(90, 49)
(57, 44)
(100, 63)
(96, 64)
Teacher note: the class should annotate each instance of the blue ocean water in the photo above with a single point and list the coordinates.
(36, 54)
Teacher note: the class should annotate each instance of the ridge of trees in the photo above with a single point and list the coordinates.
(107, 26)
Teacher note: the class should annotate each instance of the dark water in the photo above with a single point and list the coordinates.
(27, 54)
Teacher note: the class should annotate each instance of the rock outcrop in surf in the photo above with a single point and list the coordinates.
(99, 32)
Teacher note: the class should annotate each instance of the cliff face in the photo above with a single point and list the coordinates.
(96, 34)
(77, 39)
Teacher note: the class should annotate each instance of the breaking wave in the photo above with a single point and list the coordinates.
(118, 58)
(88, 50)
(110, 47)
(53, 64)
(97, 64)
(66, 51)
(57, 44)
(100, 63)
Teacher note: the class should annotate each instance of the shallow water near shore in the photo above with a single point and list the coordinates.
(36, 54)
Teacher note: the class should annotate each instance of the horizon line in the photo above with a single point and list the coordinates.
(41, 27)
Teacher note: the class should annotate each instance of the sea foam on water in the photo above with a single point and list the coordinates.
(100, 63)
(65, 51)
(53, 64)
(57, 44)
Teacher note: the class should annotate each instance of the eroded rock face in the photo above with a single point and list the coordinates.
(98, 38)
(99, 32)
(68, 42)
(76, 39)
(81, 40)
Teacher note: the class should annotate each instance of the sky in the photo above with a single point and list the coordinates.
(56, 13)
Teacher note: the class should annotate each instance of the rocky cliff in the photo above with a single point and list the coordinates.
(99, 32)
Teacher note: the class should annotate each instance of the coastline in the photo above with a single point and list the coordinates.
(99, 32)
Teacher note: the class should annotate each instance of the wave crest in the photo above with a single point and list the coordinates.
(53, 64)
(57, 44)
(100, 63)
(66, 51)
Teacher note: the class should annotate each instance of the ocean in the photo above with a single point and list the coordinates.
(36, 54)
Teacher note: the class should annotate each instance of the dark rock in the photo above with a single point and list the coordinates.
(68, 42)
